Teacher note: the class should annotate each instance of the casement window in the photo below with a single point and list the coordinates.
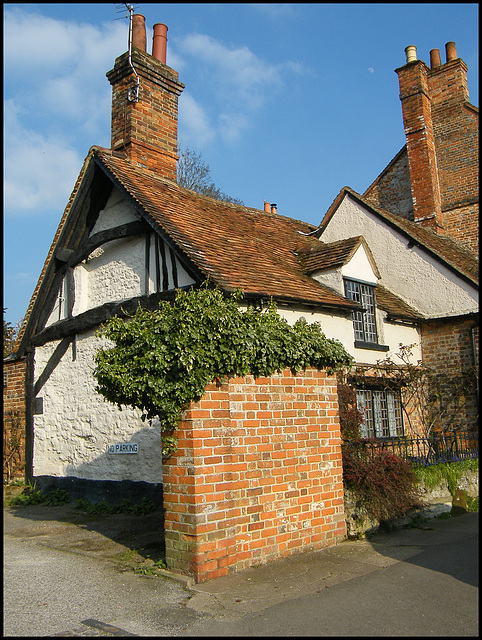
(382, 413)
(364, 322)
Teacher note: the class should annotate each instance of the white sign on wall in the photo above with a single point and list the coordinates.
(123, 447)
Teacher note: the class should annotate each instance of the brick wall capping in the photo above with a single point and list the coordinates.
(147, 67)
(436, 70)
(412, 65)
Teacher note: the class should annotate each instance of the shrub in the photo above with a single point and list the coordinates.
(384, 484)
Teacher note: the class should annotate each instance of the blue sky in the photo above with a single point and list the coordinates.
(286, 102)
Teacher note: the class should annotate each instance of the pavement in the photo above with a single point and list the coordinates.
(300, 595)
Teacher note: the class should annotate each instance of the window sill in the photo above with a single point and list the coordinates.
(373, 346)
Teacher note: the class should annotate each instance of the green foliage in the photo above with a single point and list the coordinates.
(450, 472)
(31, 495)
(151, 569)
(10, 334)
(98, 508)
(473, 503)
(162, 360)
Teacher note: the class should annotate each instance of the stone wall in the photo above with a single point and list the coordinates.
(435, 501)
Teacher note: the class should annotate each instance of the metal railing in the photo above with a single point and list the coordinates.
(438, 448)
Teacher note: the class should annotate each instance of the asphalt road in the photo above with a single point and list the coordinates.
(413, 582)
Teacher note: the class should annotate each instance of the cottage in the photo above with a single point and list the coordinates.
(258, 471)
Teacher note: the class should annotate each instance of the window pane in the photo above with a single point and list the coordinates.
(382, 411)
(364, 323)
(368, 301)
(398, 414)
(364, 405)
(380, 414)
(392, 419)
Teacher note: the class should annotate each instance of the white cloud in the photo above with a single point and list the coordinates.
(275, 10)
(240, 84)
(39, 171)
(53, 86)
(232, 126)
(51, 66)
(238, 74)
(194, 122)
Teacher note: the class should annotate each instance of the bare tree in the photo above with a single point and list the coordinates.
(10, 334)
(194, 173)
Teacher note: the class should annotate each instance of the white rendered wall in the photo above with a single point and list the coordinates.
(77, 426)
(412, 274)
(116, 270)
(340, 328)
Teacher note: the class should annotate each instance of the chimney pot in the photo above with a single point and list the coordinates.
(139, 39)
(274, 208)
(267, 206)
(159, 42)
(411, 53)
(435, 58)
(450, 51)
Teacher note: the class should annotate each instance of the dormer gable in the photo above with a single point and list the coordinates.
(332, 263)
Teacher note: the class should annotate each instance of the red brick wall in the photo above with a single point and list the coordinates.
(448, 350)
(422, 160)
(147, 129)
(13, 419)
(257, 476)
(442, 132)
(456, 131)
(391, 190)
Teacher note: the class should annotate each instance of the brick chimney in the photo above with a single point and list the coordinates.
(145, 95)
(442, 164)
(417, 121)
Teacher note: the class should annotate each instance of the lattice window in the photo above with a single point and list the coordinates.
(382, 413)
(364, 322)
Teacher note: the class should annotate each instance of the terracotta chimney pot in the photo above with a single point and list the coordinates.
(139, 39)
(451, 51)
(435, 58)
(267, 206)
(159, 42)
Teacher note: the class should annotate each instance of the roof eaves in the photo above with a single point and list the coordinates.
(24, 332)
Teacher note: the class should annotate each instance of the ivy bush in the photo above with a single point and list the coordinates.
(162, 360)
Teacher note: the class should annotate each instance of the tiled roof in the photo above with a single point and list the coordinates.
(453, 254)
(333, 255)
(236, 247)
(328, 256)
(394, 306)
